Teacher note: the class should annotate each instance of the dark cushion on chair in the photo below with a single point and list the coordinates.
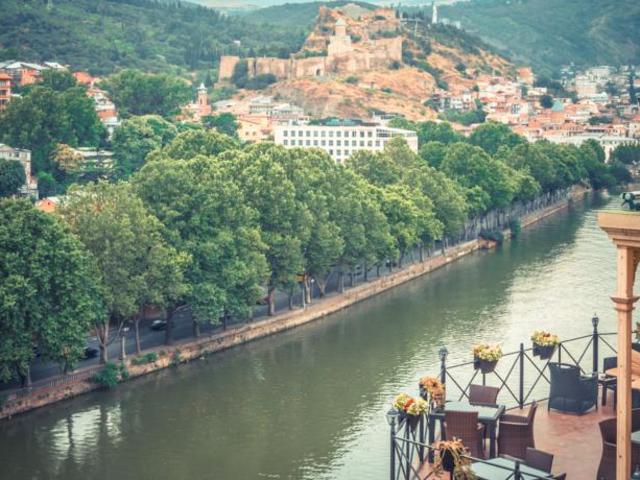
(571, 392)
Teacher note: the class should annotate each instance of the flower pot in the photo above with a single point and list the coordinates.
(447, 460)
(544, 352)
(413, 421)
(485, 366)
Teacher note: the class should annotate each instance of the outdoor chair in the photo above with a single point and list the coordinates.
(538, 459)
(611, 383)
(516, 433)
(607, 467)
(465, 426)
(483, 395)
(570, 391)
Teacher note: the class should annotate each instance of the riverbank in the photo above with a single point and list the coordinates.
(80, 383)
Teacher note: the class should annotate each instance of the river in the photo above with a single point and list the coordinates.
(310, 403)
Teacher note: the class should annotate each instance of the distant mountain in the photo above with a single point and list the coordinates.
(297, 14)
(105, 35)
(550, 33)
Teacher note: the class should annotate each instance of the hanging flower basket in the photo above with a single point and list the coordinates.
(485, 357)
(485, 366)
(432, 390)
(447, 460)
(410, 408)
(544, 344)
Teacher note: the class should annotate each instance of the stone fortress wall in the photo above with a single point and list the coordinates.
(343, 54)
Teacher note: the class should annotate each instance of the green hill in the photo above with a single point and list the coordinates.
(550, 33)
(105, 35)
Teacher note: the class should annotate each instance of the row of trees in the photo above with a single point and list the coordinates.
(212, 226)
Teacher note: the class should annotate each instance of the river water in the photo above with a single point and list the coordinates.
(310, 403)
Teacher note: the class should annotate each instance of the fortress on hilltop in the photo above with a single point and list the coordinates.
(349, 39)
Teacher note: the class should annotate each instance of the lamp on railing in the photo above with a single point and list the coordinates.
(595, 320)
(392, 416)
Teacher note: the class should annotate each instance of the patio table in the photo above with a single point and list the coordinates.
(487, 415)
(503, 469)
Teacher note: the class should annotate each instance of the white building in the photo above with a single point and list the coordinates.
(607, 142)
(341, 139)
(24, 157)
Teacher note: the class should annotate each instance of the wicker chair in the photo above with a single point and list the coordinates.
(571, 392)
(483, 395)
(607, 467)
(611, 383)
(538, 459)
(465, 426)
(516, 433)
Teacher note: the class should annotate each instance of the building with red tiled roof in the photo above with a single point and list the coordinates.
(5, 90)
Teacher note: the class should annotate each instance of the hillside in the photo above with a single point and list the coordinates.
(432, 57)
(294, 15)
(104, 35)
(550, 33)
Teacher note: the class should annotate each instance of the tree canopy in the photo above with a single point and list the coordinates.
(12, 177)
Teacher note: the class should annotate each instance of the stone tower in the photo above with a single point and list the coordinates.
(340, 42)
(203, 99)
(434, 14)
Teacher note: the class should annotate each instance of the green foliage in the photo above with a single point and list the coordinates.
(224, 123)
(176, 357)
(515, 226)
(135, 138)
(627, 153)
(139, 93)
(465, 118)
(492, 235)
(351, 79)
(110, 375)
(146, 358)
(47, 185)
(44, 117)
(546, 101)
(242, 79)
(135, 265)
(12, 177)
(190, 143)
(48, 293)
(106, 36)
(490, 136)
(549, 33)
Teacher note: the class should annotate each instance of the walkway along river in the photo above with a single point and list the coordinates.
(310, 403)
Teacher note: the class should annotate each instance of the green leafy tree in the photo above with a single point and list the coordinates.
(224, 123)
(207, 217)
(190, 143)
(135, 266)
(138, 93)
(628, 153)
(284, 219)
(12, 177)
(47, 185)
(58, 80)
(546, 101)
(433, 153)
(47, 290)
(136, 137)
(491, 136)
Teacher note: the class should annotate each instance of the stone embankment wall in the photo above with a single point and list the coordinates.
(80, 383)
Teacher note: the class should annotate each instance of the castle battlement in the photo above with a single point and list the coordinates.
(343, 54)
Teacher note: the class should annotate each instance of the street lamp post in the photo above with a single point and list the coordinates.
(123, 349)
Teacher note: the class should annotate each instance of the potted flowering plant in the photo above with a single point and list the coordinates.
(544, 344)
(433, 391)
(410, 408)
(453, 457)
(485, 357)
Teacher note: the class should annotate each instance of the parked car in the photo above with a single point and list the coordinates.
(90, 352)
(158, 325)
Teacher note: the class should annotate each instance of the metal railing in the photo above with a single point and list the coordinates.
(519, 380)
(409, 450)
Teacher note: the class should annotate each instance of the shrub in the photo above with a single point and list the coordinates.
(515, 226)
(492, 235)
(352, 79)
(146, 358)
(110, 375)
(395, 65)
(386, 90)
(176, 358)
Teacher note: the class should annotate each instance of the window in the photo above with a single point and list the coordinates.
(354, 134)
(339, 152)
(338, 133)
(308, 133)
(323, 133)
(323, 142)
(315, 133)
(338, 142)
(361, 134)
(330, 151)
(377, 143)
(331, 143)
(362, 143)
(331, 133)
(308, 142)
(370, 143)
(315, 143)
(354, 143)
(369, 133)
(285, 142)
(285, 133)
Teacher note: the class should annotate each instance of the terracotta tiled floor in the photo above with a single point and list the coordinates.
(573, 440)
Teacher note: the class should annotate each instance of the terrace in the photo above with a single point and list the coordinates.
(569, 388)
